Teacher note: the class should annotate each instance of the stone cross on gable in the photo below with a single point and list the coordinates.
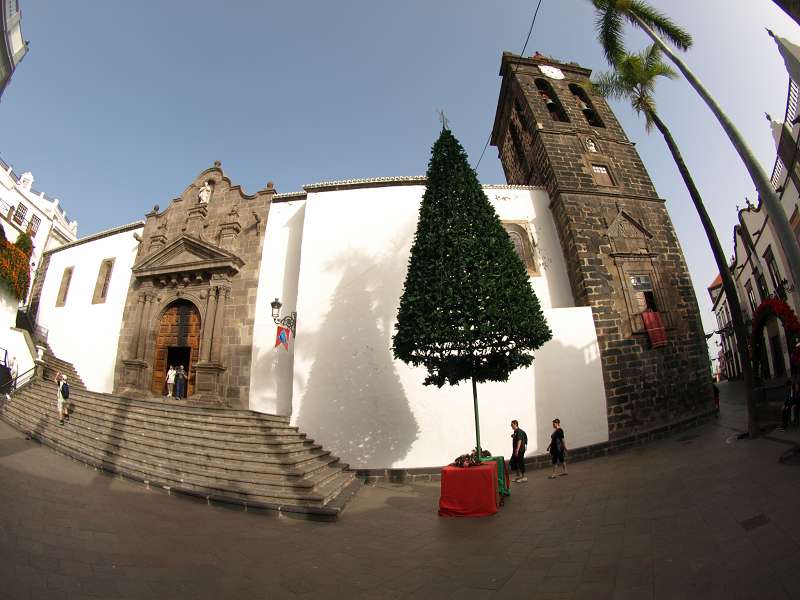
(443, 119)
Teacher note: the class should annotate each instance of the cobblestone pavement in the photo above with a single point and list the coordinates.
(700, 515)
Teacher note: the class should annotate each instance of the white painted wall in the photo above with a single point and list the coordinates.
(272, 368)
(83, 333)
(348, 392)
(8, 307)
(20, 346)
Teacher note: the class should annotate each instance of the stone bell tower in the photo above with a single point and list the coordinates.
(621, 250)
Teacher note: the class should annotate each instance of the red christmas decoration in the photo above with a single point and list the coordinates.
(775, 307)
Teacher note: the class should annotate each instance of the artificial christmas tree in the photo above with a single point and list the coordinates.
(468, 310)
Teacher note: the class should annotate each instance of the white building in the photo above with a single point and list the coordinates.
(23, 209)
(759, 266)
(337, 254)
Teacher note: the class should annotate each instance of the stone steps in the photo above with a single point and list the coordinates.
(166, 467)
(152, 412)
(223, 455)
(300, 457)
(53, 365)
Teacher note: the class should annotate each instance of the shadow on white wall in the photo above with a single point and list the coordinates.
(354, 402)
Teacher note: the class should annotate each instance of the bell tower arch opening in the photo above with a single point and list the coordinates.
(177, 344)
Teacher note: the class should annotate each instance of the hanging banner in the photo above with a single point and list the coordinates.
(282, 336)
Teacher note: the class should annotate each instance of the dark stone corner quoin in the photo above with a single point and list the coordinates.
(620, 247)
(196, 263)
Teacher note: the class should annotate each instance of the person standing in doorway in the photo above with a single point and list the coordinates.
(519, 441)
(180, 383)
(557, 448)
(171, 381)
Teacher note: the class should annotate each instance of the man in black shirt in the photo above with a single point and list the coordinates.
(519, 440)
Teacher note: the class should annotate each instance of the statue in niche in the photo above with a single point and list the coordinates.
(205, 193)
(590, 145)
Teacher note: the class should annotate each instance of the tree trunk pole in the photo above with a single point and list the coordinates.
(772, 203)
(477, 419)
(739, 330)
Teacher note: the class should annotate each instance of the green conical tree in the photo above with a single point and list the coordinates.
(468, 310)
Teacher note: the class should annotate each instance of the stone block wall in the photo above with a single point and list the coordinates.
(611, 233)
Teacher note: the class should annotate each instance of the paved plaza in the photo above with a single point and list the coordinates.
(700, 515)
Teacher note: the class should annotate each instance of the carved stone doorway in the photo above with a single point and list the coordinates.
(178, 339)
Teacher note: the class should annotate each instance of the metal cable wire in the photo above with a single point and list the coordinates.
(516, 66)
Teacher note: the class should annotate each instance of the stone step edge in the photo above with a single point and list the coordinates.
(322, 513)
(132, 409)
(166, 474)
(324, 458)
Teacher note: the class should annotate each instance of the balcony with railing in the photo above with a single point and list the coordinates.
(10, 172)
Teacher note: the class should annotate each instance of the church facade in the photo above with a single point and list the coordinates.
(192, 285)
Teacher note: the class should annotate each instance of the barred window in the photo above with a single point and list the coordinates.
(19, 214)
(601, 175)
(33, 226)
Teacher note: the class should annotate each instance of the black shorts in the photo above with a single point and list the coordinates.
(557, 457)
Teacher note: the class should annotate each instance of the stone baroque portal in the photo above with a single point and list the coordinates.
(192, 293)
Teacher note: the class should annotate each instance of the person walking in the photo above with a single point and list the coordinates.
(790, 407)
(180, 382)
(171, 381)
(557, 448)
(519, 440)
(62, 397)
(13, 372)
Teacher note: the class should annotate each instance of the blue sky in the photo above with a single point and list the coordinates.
(119, 105)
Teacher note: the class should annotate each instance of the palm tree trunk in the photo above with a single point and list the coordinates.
(739, 329)
(772, 203)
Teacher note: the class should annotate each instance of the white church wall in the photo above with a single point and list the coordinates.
(272, 368)
(8, 307)
(18, 344)
(15, 342)
(349, 393)
(80, 332)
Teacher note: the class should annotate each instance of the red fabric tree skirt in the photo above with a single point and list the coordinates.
(468, 491)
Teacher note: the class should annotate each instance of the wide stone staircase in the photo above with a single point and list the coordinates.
(221, 455)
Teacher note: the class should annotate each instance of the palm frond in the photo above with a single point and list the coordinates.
(654, 66)
(607, 84)
(660, 22)
(609, 23)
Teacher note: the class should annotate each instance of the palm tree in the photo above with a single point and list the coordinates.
(611, 16)
(634, 80)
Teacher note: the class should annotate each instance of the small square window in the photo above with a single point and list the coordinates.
(601, 175)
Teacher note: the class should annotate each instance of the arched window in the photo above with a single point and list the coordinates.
(552, 102)
(524, 246)
(586, 106)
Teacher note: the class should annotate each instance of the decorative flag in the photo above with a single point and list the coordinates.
(282, 337)
(655, 328)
